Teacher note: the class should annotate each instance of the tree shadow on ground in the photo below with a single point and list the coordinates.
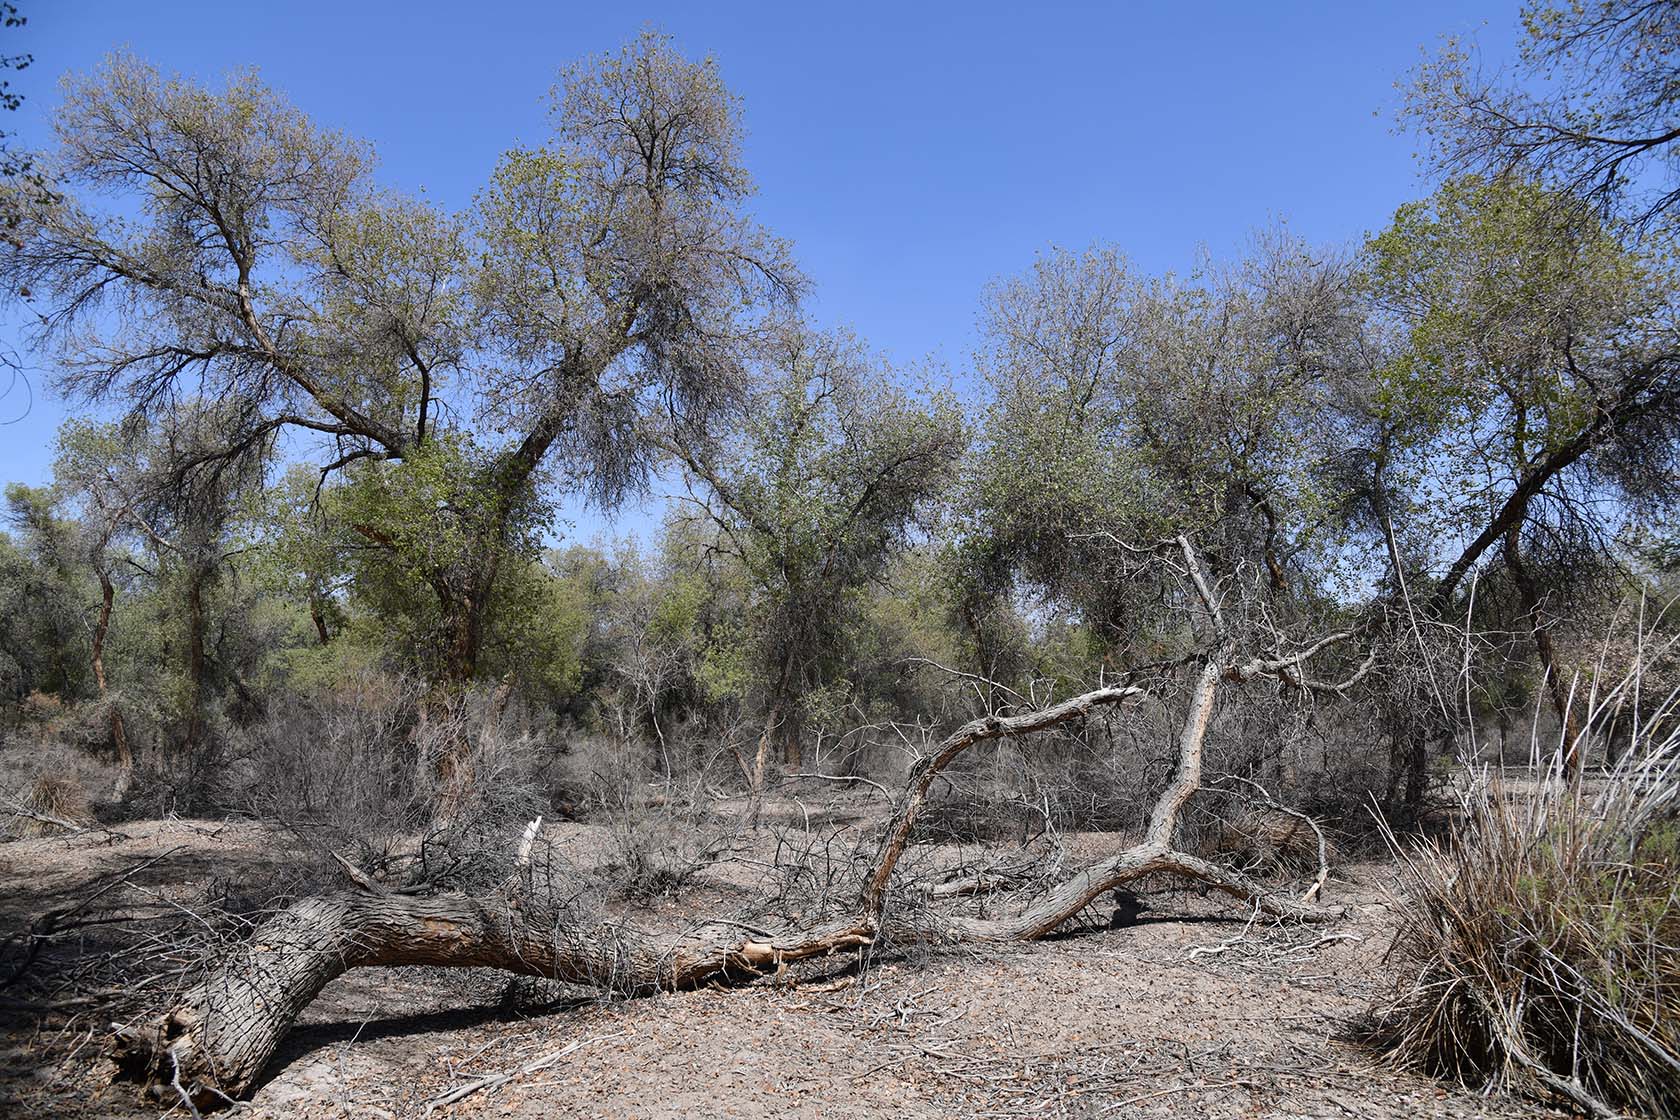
(312, 1038)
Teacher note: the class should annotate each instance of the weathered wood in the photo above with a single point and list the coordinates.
(213, 1044)
(897, 834)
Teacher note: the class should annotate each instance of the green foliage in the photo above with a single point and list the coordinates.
(466, 367)
(42, 597)
(1589, 107)
(435, 550)
(1499, 285)
(824, 482)
(1532, 376)
(1126, 409)
(538, 637)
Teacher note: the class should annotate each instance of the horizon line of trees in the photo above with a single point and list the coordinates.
(1458, 442)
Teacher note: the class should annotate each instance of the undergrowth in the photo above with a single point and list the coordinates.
(1539, 944)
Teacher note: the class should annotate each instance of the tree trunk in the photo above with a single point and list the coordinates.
(460, 664)
(464, 615)
(1528, 588)
(216, 1040)
(761, 763)
(119, 731)
(1417, 770)
(792, 752)
(779, 701)
(761, 757)
(196, 660)
(319, 618)
(446, 750)
(495, 710)
(1408, 766)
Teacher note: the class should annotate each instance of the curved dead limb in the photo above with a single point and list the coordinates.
(897, 835)
(1061, 903)
(214, 1042)
(1154, 855)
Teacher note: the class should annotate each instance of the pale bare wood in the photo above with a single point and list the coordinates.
(214, 1042)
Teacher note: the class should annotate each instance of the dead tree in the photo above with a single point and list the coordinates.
(214, 1042)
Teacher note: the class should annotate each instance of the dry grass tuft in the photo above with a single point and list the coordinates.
(58, 797)
(44, 790)
(1539, 945)
(1266, 841)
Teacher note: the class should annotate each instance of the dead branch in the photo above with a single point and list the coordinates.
(1323, 844)
(922, 775)
(220, 1034)
(494, 1081)
(883, 790)
(213, 1043)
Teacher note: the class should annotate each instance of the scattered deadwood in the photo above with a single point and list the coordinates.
(494, 1081)
(214, 1042)
(1321, 842)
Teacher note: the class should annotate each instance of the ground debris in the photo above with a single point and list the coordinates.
(1093, 1023)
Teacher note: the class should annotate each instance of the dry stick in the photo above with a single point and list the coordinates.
(52, 921)
(976, 678)
(11, 805)
(1228, 943)
(1178, 1089)
(983, 880)
(495, 1081)
(903, 821)
(357, 875)
(1331, 938)
(1156, 853)
(1566, 1086)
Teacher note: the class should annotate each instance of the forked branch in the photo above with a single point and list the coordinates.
(212, 1045)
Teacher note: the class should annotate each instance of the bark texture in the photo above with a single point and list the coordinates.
(213, 1044)
(119, 730)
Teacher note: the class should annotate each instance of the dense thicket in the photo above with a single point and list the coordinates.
(1470, 419)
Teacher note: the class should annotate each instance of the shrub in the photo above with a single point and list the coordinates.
(1264, 841)
(1539, 945)
(658, 850)
(44, 787)
(353, 770)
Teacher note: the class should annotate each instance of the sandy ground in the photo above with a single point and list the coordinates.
(1192, 1012)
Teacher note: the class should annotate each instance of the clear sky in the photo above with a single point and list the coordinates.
(911, 151)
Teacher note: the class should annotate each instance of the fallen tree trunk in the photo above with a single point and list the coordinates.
(214, 1042)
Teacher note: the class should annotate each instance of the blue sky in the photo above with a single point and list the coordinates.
(910, 151)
